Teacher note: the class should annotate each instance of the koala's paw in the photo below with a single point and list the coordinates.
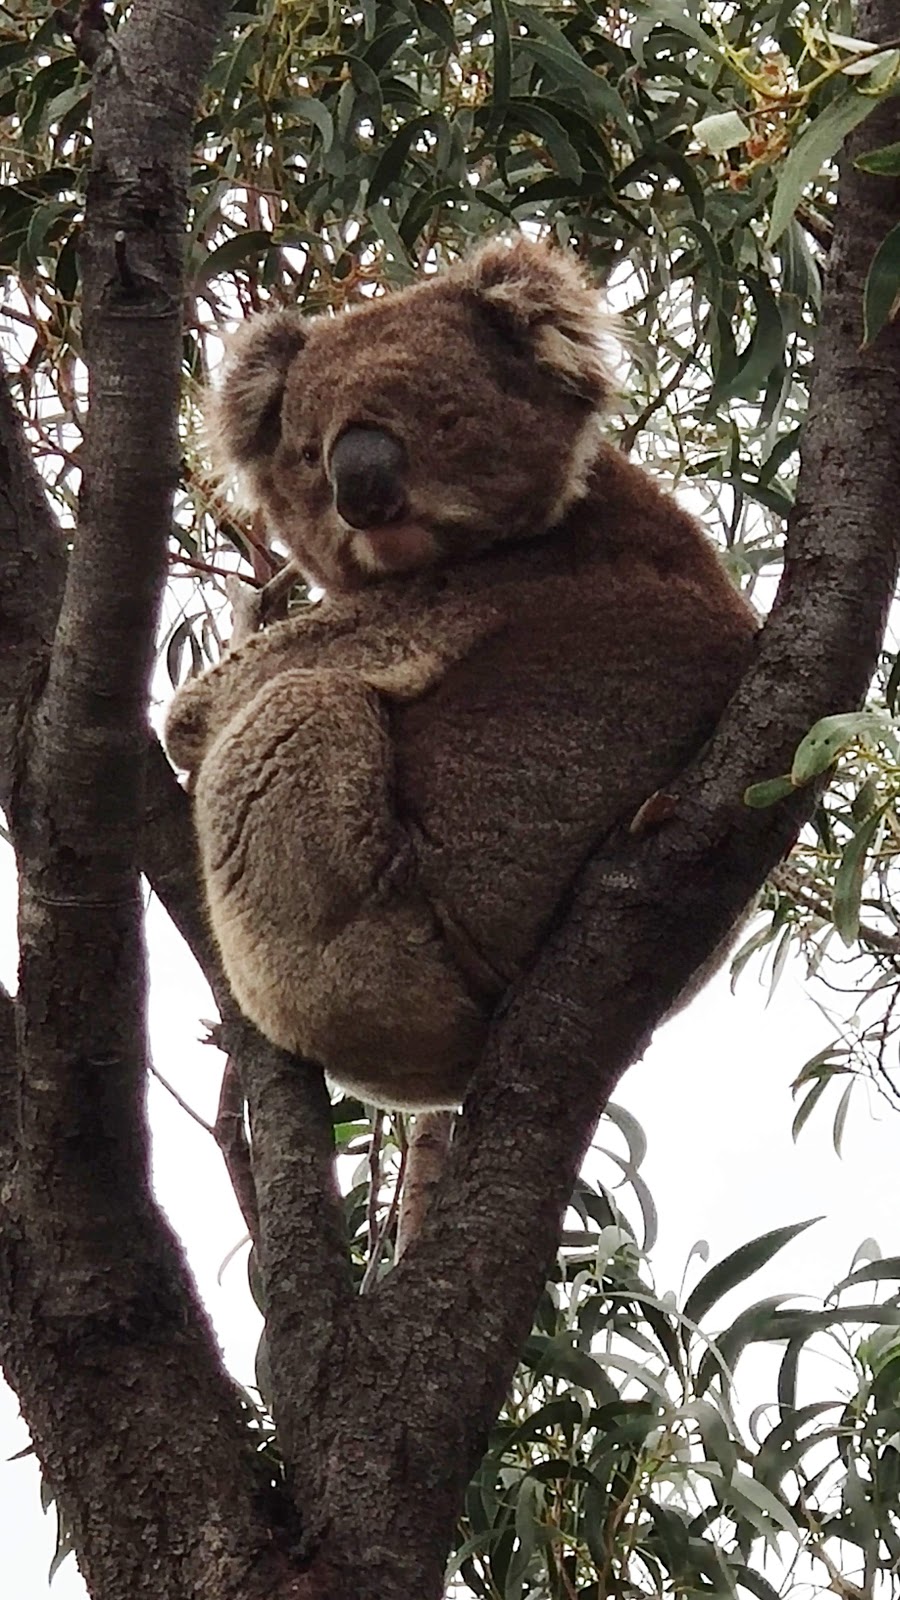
(185, 732)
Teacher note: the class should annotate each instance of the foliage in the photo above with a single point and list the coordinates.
(686, 152)
(619, 1465)
(621, 1462)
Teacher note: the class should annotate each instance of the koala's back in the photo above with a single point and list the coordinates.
(620, 642)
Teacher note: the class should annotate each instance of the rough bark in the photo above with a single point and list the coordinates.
(32, 571)
(382, 1403)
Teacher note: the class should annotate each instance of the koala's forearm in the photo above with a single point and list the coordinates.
(204, 706)
(398, 662)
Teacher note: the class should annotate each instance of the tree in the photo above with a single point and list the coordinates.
(416, 126)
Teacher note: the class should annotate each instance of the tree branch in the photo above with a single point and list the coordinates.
(167, 854)
(429, 1143)
(32, 571)
(230, 1136)
(8, 1090)
(302, 1238)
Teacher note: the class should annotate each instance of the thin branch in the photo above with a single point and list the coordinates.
(231, 1136)
(374, 1164)
(370, 1276)
(428, 1147)
(627, 440)
(180, 1100)
(208, 569)
(8, 1085)
(168, 857)
(817, 226)
(791, 882)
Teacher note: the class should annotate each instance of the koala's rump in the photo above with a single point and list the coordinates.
(595, 693)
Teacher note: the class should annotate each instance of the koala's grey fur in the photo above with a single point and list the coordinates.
(393, 790)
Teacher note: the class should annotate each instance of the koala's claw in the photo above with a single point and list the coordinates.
(399, 872)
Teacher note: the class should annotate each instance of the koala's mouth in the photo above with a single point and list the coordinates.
(394, 547)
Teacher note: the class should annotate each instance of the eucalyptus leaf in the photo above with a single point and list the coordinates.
(813, 150)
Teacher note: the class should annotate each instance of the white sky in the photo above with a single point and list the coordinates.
(712, 1093)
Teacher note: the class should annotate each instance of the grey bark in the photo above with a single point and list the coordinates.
(382, 1403)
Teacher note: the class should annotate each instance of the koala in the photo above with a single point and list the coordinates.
(522, 638)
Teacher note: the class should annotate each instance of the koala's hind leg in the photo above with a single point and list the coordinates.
(310, 878)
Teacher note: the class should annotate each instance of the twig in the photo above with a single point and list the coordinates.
(209, 570)
(230, 1134)
(374, 1180)
(789, 881)
(626, 440)
(376, 1254)
(254, 607)
(180, 1100)
(817, 226)
(428, 1146)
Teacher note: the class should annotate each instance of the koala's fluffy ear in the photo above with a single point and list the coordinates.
(243, 413)
(541, 293)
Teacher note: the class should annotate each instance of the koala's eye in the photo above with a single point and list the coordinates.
(310, 454)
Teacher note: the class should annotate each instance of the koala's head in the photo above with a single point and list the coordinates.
(424, 425)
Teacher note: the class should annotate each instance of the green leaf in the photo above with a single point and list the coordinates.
(525, 117)
(501, 77)
(881, 297)
(45, 221)
(767, 793)
(887, 1267)
(765, 350)
(740, 1265)
(631, 1130)
(565, 67)
(381, 221)
(643, 1196)
(753, 1324)
(744, 1488)
(884, 162)
(718, 1444)
(754, 1583)
(828, 737)
(529, 1504)
(235, 252)
(307, 109)
(721, 131)
(816, 146)
(841, 1116)
(669, 14)
(846, 899)
(560, 1358)
(806, 1108)
(438, 17)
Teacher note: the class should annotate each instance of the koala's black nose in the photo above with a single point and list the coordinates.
(366, 477)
